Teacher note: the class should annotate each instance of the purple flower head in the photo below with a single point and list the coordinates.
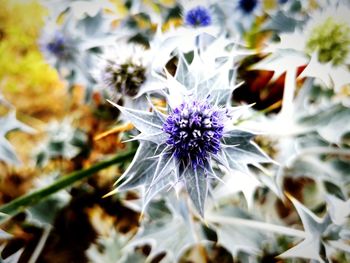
(195, 130)
(247, 6)
(198, 16)
(58, 46)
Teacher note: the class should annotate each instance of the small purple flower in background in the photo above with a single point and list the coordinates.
(58, 46)
(195, 130)
(247, 6)
(198, 16)
(61, 45)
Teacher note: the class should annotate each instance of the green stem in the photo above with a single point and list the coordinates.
(35, 197)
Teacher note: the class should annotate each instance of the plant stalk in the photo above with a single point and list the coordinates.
(35, 197)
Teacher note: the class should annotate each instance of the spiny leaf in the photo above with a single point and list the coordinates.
(170, 234)
(339, 210)
(9, 123)
(235, 237)
(246, 152)
(236, 136)
(183, 74)
(141, 168)
(314, 227)
(197, 186)
(146, 122)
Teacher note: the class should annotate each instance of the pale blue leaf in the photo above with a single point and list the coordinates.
(236, 237)
(236, 136)
(145, 122)
(172, 236)
(281, 22)
(152, 191)
(183, 74)
(196, 182)
(246, 152)
(314, 227)
(339, 210)
(142, 169)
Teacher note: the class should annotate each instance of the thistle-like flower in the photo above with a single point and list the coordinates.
(196, 134)
(123, 71)
(247, 6)
(198, 16)
(195, 129)
(59, 46)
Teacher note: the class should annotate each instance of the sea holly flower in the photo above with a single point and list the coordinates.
(59, 45)
(65, 49)
(247, 6)
(195, 129)
(196, 134)
(240, 14)
(198, 16)
(124, 71)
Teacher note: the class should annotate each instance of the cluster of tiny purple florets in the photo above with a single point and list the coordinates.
(195, 130)
(198, 16)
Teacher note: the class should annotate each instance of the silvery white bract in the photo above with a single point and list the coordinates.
(113, 248)
(322, 237)
(9, 123)
(63, 141)
(124, 71)
(69, 45)
(196, 133)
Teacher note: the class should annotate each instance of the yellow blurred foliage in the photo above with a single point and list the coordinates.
(26, 80)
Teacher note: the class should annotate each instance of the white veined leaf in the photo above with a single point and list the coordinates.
(173, 236)
(183, 74)
(246, 152)
(165, 166)
(331, 123)
(157, 138)
(237, 136)
(145, 122)
(229, 162)
(235, 237)
(161, 185)
(237, 181)
(339, 210)
(314, 228)
(141, 166)
(196, 182)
